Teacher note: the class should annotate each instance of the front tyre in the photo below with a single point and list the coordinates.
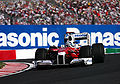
(98, 53)
(41, 54)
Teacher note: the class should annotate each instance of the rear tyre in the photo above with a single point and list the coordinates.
(98, 53)
(41, 54)
(85, 52)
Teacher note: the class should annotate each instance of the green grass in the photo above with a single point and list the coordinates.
(2, 65)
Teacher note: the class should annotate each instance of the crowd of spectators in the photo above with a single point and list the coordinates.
(64, 12)
(93, 11)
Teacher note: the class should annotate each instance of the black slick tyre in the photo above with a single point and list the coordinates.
(98, 53)
(41, 54)
(85, 52)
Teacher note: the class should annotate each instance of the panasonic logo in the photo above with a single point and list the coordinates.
(24, 39)
(45, 39)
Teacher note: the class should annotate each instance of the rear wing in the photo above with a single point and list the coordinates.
(77, 36)
(81, 36)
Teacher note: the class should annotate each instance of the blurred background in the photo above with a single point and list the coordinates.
(59, 12)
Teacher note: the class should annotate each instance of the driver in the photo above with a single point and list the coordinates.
(70, 42)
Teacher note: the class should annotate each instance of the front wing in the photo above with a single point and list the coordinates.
(85, 61)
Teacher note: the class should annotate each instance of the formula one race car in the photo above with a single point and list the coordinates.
(71, 53)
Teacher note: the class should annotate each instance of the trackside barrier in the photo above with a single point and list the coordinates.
(23, 40)
(7, 54)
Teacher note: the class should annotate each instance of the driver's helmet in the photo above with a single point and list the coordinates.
(69, 44)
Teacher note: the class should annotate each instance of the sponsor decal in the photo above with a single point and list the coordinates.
(25, 39)
(48, 35)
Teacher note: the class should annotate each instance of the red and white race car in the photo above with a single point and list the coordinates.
(71, 53)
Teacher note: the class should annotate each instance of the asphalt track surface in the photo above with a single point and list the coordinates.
(102, 73)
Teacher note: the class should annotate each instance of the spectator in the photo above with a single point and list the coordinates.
(65, 12)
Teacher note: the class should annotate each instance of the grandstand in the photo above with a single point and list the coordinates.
(59, 12)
